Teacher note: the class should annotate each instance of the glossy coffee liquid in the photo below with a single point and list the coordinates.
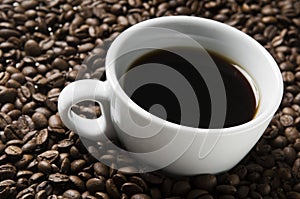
(240, 98)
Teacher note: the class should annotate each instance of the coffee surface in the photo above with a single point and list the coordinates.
(240, 98)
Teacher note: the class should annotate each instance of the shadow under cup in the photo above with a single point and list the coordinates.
(192, 150)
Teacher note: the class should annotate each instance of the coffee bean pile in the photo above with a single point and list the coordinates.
(46, 44)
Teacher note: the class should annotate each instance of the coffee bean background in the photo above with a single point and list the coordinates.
(46, 44)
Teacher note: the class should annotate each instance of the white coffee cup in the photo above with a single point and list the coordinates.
(161, 144)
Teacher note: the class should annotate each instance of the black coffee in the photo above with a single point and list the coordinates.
(241, 101)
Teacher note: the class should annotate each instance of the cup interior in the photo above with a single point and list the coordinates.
(215, 36)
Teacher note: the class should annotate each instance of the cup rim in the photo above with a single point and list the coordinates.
(120, 93)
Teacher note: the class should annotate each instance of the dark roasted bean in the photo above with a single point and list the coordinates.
(77, 165)
(205, 181)
(44, 166)
(50, 156)
(41, 194)
(4, 120)
(181, 188)
(58, 178)
(130, 188)
(72, 194)
(154, 177)
(183, 10)
(7, 171)
(60, 64)
(112, 190)
(32, 48)
(139, 181)
(227, 189)
(13, 151)
(140, 196)
(101, 169)
(6, 33)
(7, 94)
(78, 183)
(36, 177)
(95, 184)
(291, 134)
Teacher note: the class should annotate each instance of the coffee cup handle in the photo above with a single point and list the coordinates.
(82, 90)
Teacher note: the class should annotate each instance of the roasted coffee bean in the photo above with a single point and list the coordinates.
(44, 166)
(181, 188)
(291, 134)
(7, 107)
(183, 10)
(233, 179)
(12, 84)
(155, 192)
(66, 143)
(84, 175)
(41, 194)
(111, 189)
(78, 183)
(65, 165)
(32, 48)
(7, 94)
(29, 146)
(55, 124)
(290, 154)
(41, 136)
(36, 177)
(6, 33)
(4, 76)
(205, 181)
(29, 71)
(72, 194)
(140, 196)
(29, 136)
(101, 169)
(14, 142)
(28, 108)
(154, 177)
(44, 111)
(58, 178)
(293, 194)
(13, 151)
(77, 165)
(130, 188)
(24, 174)
(50, 156)
(196, 193)
(7, 171)
(60, 64)
(166, 187)
(85, 47)
(286, 120)
(24, 161)
(29, 4)
(2, 147)
(75, 153)
(24, 124)
(139, 181)
(279, 141)
(95, 184)
(227, 189)
(4, 120)
(119, 179)
(56, 80)
(26, 193)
